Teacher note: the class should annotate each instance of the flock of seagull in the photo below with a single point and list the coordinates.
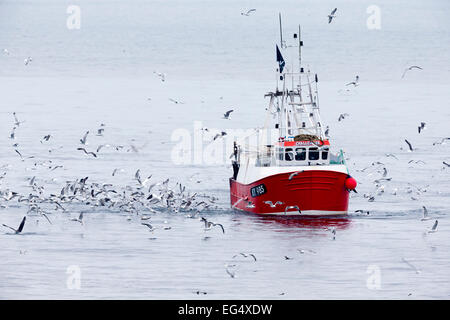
(380, 182)
(143, 195)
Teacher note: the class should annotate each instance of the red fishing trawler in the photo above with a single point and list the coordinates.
(292, 170)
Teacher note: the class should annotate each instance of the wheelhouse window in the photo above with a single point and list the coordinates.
(324, 154)
(289, 154)
(313, 154)
(280, 154)
(300, 154)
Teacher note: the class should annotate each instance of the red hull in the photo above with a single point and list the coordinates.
(312, 192)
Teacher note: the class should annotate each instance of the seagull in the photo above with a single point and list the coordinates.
(433, 229)
(100, 147)
(18, 230)
(6, 52)
(46, 138)
(116, 170)
(362, 211)
(248, 12)
(327, 131)
(83, 140)
(79, 219)
(410, 68)
(176, 101)
(226, 115)
(100, 131)
(425, 214)
(223, 133)
(354, 83)
(209, 224)
(17, 151)
(416, 161)
(342, 116)
(138, 178)
(27, 61)
(332, 15)
(294, 174)
(151, 229)
(447, 164)
(273, 205)
(231, 274)
(411, 265)
(16, 121)
(162, 76)
(91, 153)
(303, 251)
(409, 145)
(391, 155)
(440, 142)
(13, 133)
(246, 255)
(421, 127)
(333, 231)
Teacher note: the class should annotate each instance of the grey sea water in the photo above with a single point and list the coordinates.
(214, 60)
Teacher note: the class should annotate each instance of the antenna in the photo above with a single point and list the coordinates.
(300, 44)
(281, 31)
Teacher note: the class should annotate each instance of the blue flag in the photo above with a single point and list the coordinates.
(280, 60)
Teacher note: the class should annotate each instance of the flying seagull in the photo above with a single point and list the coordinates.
(83, 140)
(391, 155)
(18, 230)
(342, 116)
(176, 101)
(421, 127)
(332, 15)
(354, 83)
(409, 145)
(440, 142)
(273, 205)
(246, 255)
(100, 131)
(138, 178)
(27, 60)
(162, 76)
(410, 265)
(294, 174)
(46, 138)
(231, 274)
(79, 219)
(13, 133)
(248, 12)
(209, 224)
(410, 68)
(425, 214)
(333, 231)
(16, 121)
(88, 153)
(434, 228)
(150, 227)
(223, 133)
(226, 115)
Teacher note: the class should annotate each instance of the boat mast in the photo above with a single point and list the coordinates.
(300, 44)
(281, 31)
